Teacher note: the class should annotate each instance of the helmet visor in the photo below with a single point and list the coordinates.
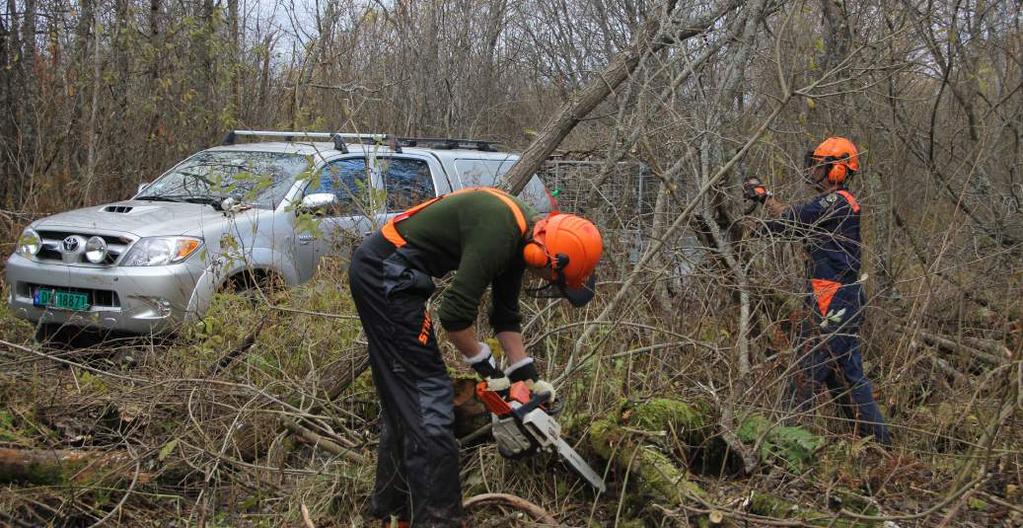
(579, 296)
(559, 290)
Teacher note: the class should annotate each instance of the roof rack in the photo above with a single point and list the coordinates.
(485, 145)
(340, 140)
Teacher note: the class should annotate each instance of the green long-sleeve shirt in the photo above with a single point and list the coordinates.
(475, 234)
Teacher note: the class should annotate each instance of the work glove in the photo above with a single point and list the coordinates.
(524, 370)
(484, 365)
(753, 189)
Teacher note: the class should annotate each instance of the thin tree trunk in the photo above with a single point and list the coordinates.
(90, 131)
(651, 39)
(6, 125)
(156, 43)
(233, 69)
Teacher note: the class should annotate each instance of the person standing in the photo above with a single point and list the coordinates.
(829, 225)
(489, 239)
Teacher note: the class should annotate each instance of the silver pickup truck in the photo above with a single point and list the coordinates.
(232, 214)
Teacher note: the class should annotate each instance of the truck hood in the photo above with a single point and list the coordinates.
(142, 218)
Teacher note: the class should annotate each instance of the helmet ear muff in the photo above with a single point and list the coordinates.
(535, 255)
(837, 170)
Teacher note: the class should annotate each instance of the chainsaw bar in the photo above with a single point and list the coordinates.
(521, 426)
(579, 465)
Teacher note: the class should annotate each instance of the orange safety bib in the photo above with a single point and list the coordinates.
(392, 235)
(824, 291)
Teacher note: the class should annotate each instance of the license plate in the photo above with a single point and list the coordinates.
(63, 300)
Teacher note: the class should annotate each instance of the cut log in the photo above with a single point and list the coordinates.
(1001, 356)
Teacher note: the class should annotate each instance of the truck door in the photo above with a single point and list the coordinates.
(358, 203)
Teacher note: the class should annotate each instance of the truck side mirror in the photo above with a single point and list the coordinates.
(317, 202)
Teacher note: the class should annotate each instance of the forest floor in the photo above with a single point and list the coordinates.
(263, 414)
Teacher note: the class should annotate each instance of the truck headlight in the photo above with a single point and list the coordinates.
(160, 251)
(29, 243)
(96, 250)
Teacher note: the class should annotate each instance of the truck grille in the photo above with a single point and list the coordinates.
(102, 298)
(52, 240)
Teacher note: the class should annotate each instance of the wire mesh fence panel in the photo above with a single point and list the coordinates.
(622, 201)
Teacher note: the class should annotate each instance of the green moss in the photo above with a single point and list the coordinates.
(976, 504)
(652, 472)
(768, 505)
(659, 414)
(794, 446)
(92, 383)
(661, 477)
(7, 430)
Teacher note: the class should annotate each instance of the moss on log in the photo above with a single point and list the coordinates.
(793, 446)
(767, 505)
(694, 423)
(630, 440)
(61, 466)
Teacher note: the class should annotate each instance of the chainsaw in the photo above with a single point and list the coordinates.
(522, 426)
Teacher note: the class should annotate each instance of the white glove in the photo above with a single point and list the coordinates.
(525, 370)
(484, 365)
(544, 387)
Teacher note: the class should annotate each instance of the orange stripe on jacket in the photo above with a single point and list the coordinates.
(824, 291)
(851, 199)
(394, 237)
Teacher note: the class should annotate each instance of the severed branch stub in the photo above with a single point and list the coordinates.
(537, 513)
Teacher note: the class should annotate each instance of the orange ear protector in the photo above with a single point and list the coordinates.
(535, 255)
(837, 170)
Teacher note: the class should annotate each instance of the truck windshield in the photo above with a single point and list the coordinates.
(260, 179)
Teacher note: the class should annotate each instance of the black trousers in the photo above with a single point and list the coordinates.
(417, 461)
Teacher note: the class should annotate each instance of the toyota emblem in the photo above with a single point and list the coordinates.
(71, 244)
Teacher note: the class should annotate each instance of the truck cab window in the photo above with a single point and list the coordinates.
(408, 182)
(347, 180)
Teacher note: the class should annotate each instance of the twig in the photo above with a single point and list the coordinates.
(475, 434)
(325, 443)
(305, 517)
(537, 513)
(317, 314)
(127, 493)
(69, 363)
(929, 511)
(242, 347)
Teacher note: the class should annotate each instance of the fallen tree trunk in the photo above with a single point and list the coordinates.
(64, 466)
(634, 441)
(653, 443)
(949, 345)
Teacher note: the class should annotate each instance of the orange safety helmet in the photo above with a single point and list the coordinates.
(838, 156)
(569, 247)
